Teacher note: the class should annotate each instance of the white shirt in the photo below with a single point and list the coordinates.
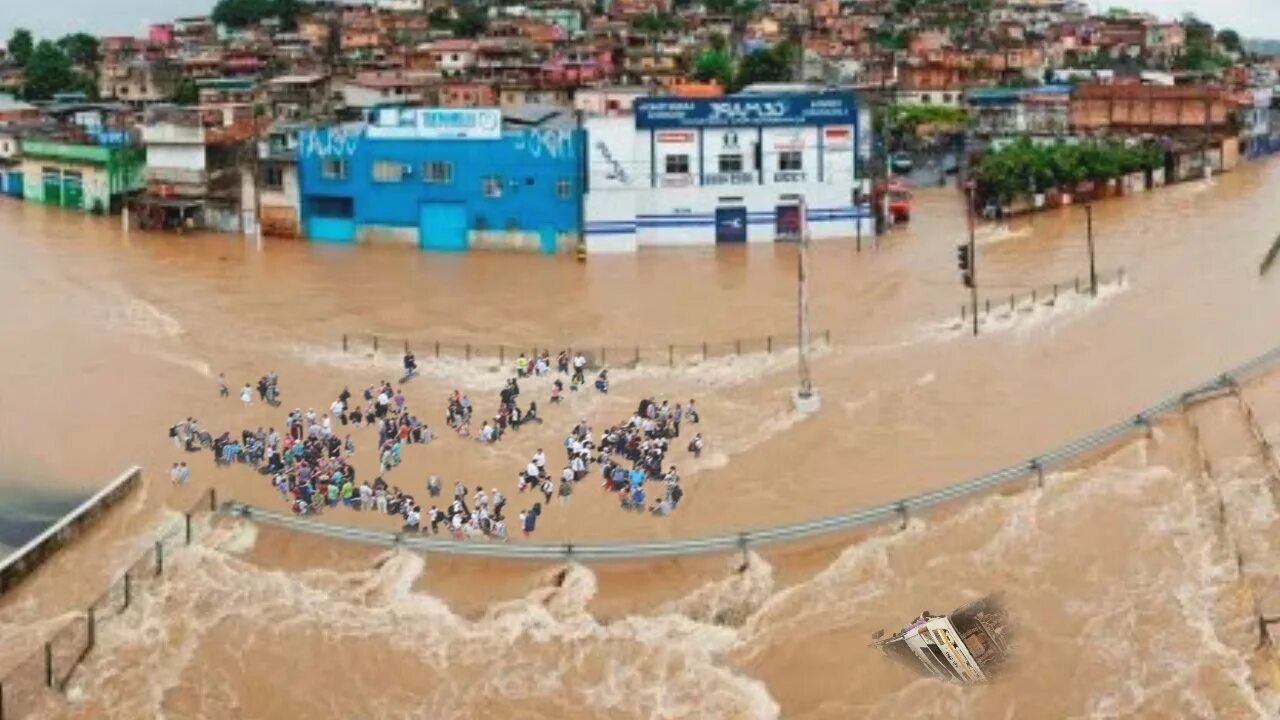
(579, 361)
(567, 475)
(246, 395)
(540, 459)
(577, 465)
(336, 408)
(531, 470)
(383, 399)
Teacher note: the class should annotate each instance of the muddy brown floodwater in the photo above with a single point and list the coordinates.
(1125, 585)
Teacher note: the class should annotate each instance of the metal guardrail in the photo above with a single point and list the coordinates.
(896, 510)
(597, 354)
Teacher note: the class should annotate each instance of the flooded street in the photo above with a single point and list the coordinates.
(111, 338)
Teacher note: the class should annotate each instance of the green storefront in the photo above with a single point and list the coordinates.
(89, 178)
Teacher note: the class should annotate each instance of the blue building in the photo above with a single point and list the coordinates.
(445, 179)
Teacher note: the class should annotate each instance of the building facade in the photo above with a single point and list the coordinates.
(90, 177)
(443, 179)
(744, 168)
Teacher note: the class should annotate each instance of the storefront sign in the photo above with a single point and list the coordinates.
(436, 124)
(836, 108)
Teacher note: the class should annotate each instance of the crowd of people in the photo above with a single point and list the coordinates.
(310, 462)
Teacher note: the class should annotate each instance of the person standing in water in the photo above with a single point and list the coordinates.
(246, 395)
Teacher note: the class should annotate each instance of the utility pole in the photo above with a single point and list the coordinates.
(806, 400)
(1093, 268)
(583, 170)
(972, 275)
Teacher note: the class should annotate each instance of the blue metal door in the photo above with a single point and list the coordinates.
(731, 225)
(442, 226)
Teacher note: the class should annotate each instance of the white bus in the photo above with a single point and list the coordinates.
(967, 647)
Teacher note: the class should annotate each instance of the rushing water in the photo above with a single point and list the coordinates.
(1127, 597)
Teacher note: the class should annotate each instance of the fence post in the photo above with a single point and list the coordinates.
(188, 521)
(704, 350)
(964, 312)
(48, 664)
(1035, 465)
(988, 306)
(1055, 292)
(406, 346)
(671, 356)
(902, 512)
(637, 356)
(213, 500)
(742, 544)
(437, 348)
(159, 557)
(468, 352)
(737, 347)
(375, 343)
(128, 590)
(1033, 297)
(502, 354)
(1120, 276)
(1, 701)
(768, 343)
(1010, 302)
(344, 342)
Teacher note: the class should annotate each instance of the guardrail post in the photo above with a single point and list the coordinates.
(1010, 302)
(737, 347)
(159, 557)
(1120, 276)
(375, 343)
(1033, 296)
(406, 346)
(344, 342)
(568, 551)
(704, 350)
(742, 545)
(1077, 283)
(902, 513)
(964, 313)
(1055, 292)
(48, 664)
(768, 344)
(988, 306)
(637, 363)
(128, 590)
(437, 348)
(671, 356)
(188, 528)
(468, 352)
(1039, 470)
(213, 500)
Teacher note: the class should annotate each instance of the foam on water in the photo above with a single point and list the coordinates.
(996, 234)
(135, 315)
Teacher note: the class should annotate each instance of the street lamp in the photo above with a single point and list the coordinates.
(806, 399)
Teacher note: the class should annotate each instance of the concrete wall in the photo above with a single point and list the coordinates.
(31, 556)
(632, 202)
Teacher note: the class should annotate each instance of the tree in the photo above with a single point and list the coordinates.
(654, 23)
(713, 66)
(1230, 40)
(469, 21)
(48, 71)
(80, 48)
(241, 13)
(186, 92)
(21, 45)
(774, 64)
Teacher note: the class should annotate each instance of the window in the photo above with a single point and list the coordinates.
(564, 188)
(946, 97)
(492, 186)
(731, 163)
(273, 178)
(333, 169)
(790, 161)
(388, 171)
(437, 172)
(925, 99)
(677, 164)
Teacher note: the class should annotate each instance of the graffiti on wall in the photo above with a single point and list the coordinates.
(550, 143)
(613, 168)
(328, 143)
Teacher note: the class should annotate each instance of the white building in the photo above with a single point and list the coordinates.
(743, 168)
(400, 5)
(617, 100)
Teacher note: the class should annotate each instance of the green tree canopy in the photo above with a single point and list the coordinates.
(241, 13)
(1023, 167)
(80, 48)
(21, 45)
(48, 71)
(773, 64)
(1230, 40)
(185, 92)
(713, 66)
(470, 20)
(654, 23)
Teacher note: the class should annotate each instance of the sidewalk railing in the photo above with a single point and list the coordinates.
(1027, 300)
(898, 510)
(36, 680)
(597, 354)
